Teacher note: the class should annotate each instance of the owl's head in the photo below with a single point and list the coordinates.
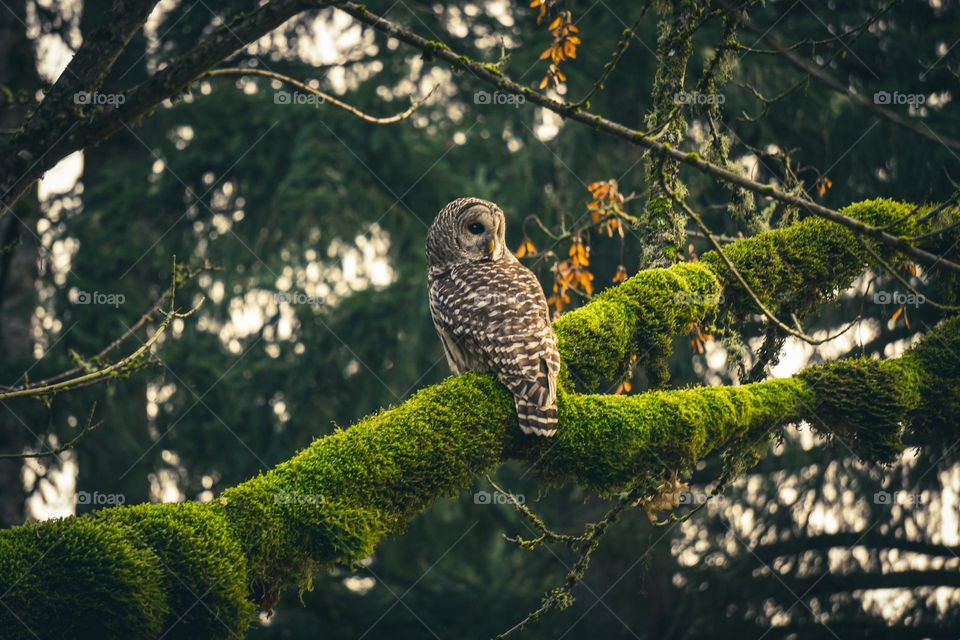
(467, 230)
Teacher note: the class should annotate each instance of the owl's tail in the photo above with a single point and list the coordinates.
(536, 419)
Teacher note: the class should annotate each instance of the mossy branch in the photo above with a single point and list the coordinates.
(202, 570)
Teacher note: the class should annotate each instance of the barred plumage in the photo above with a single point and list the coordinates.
(490, 310)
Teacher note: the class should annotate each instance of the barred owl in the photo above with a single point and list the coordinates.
(490, 311)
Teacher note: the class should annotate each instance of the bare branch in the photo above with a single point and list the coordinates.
(326, 97)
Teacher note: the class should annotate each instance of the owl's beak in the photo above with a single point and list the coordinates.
(492, 247)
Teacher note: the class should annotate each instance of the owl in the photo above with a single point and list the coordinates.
(490, 311)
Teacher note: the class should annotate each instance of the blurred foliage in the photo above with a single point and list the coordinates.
(289, 199)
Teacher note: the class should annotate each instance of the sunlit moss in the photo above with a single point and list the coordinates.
(133, 572)
(597, 340)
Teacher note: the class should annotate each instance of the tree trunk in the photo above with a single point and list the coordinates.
(18, 261)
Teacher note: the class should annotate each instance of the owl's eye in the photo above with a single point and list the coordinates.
(475, 228)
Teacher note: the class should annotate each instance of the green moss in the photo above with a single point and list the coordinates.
(76, 578)
(801, 265)
(860, 404)
(935, 360)
(597, 340)
(134, 572)
(608, 443)
(204, 568)
(337, 498)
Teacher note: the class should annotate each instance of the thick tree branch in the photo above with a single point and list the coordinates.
(134, 572)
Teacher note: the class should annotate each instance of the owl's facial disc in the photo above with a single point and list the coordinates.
(481, 233)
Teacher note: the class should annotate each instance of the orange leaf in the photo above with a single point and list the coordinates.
(526, 249)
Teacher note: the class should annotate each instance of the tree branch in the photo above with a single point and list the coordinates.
(27, 158)
(109, 573)
(492, 75)
(833, 84)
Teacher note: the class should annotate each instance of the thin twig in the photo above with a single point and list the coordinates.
(746, 287)
(326, 97)
(43, 389)
(89, 427)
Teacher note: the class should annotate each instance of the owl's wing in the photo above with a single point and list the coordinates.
(498, 310)
(451, 349)
(454, 324)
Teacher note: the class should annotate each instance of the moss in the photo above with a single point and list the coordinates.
(597, 340)
(337, 498)
(608, 443)
(860, 404)
(132, 572)
(935, 359)
(76, 578)
(798, 266)
(204, 568)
